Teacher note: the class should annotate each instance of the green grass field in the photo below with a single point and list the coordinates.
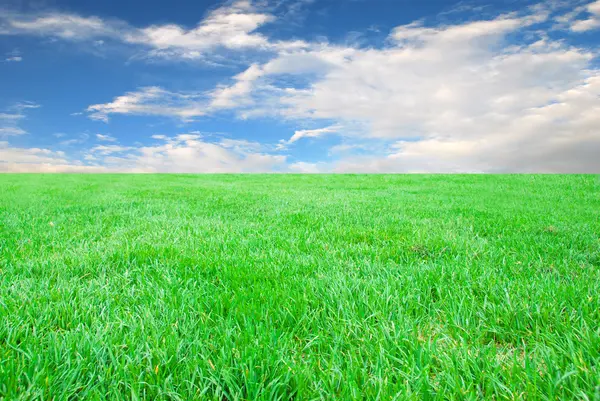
(277, 287)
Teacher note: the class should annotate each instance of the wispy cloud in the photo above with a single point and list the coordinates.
(20, 106)
(13, 56)
(6, 131)
(82, 138)
(11, 118)
(105, 138)
(308, 133)
(109, 149)
(151, 101)
(314, 133)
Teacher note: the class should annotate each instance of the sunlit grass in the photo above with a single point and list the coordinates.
(176, 287)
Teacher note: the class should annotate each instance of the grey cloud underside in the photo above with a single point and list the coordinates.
(452, 98)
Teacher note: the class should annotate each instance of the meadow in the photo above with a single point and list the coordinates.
(304, 287)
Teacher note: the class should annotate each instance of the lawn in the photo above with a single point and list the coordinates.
(305, 287)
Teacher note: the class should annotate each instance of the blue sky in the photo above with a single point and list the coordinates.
(299, 86)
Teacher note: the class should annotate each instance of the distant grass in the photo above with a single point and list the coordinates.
(182, 287)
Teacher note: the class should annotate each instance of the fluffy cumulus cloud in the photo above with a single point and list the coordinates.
(192, 154)
(447, 98)
(27, 160)
(591, 22)
(232, 26)
(494, 95)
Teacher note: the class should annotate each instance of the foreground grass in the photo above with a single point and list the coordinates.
(299, 287)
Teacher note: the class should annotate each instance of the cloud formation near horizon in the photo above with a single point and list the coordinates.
(504, 93)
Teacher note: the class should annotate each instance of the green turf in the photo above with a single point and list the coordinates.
(183, 287)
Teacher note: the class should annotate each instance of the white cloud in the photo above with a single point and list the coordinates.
(151, 101)
(590, 23)
(19, 106)
(232, 26)
(185, 137)
(466, 96)
(351, 148)
(193, 155)
(75, 141)
(13, 56)
(187, 153)
(236, 94)
(105, 138)
(479, 31)
(307, 168)
(481, 95)
(11, 117)
(252, 86)
(314, 133)
(9, 120)
(65, 26)
(308, 133)
(243, 145)
(32, 160)
(468, 99)
(109, 149)
(558, 137)
(585, 25)
(6, 131)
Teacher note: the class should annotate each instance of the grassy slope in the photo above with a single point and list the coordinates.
(274, 287)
